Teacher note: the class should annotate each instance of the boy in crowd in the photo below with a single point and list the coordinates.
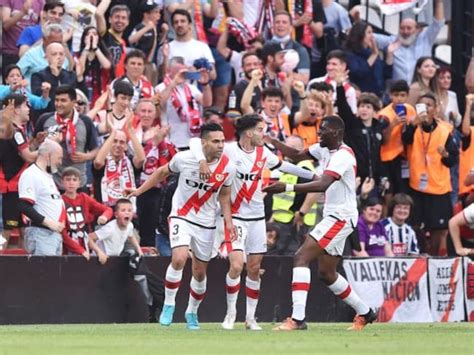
(81, 211)
(401, 236)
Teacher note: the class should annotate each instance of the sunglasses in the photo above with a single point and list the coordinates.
(81, 103)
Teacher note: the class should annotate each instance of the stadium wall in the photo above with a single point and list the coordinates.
(71, 290)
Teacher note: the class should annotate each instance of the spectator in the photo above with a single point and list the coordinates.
(372, 235)
(412, 43)
(134, 70)
(16, 16)
(466, 153)
(41, 202)
(185, 45)
(424, 80)
(392, 151)
(79, 15)
(79, 137)
(16, 154)
(337, 63)
(431, 152)
(401, 235)
(119, 19)
(363, 132)
(54, 74)
(34, 58)
(113, 170)
(119, 109)
(53, 12)
(146, 121)
(196, 11)
(93, 66)
(16, 84)
(182, 103)
(294, 213)
(366, 69)
(82, 211)
(448, 99)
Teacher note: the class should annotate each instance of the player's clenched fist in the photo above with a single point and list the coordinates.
(275, 188)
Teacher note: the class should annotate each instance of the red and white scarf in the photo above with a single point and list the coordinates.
(198, 22)
(265, 19)
(307, 38)
(68, 130)
(117, 177)
(276, 130)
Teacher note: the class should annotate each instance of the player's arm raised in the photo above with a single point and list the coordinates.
(225, 202)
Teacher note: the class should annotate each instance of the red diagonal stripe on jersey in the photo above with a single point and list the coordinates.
(413, 276)
(196, 201)
(452, 286)
(258, 166)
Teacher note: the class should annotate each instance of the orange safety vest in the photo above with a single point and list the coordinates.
(308, 132)
(466, 163)
(393, 147)
(424, 158)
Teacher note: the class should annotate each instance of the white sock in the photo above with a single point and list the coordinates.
(300, 288)
(342, 289)
(172, 281)
(232, 289)
(252, 290)
(197, 290)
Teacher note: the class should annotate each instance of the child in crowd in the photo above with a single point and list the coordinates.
(81, 212)
(110, 239)
(401, 236)
(372, 235)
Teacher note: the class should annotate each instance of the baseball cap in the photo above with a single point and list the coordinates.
(272, 48)
(149, 5)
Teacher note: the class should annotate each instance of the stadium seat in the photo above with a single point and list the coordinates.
(443, 53)
(442, 37)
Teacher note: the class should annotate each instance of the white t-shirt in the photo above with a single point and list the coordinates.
(38, 187)
(236, 64)
(469, 215)
(112, 239)
(251, 10)
(195, 200)
(190, 51)
(86, 18)
(179, 131)
(341, 195)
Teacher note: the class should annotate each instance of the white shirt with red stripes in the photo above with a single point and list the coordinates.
(341, 194)
(469, 215)
(247, 196)
(37, 187)
(195, 200)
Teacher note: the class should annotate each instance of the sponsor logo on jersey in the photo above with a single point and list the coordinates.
(248, 177)
(200, 185)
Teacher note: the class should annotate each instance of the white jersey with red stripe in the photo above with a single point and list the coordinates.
(37, 187)
(247, 196)
(195, 200)
(340, 200)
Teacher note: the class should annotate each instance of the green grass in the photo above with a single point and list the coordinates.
(323, 338)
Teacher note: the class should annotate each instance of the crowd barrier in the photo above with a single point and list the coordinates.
(71, 290)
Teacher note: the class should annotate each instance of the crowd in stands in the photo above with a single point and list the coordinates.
(101, 93)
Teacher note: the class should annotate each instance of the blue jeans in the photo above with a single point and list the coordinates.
(42, 241)
(162, 243)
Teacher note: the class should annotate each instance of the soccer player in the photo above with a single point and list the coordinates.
(250, 158)
(193, 217)
(326, 241)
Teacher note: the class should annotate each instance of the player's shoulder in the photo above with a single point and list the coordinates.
(344, 152)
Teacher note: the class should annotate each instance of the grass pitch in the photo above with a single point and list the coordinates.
(323, 338)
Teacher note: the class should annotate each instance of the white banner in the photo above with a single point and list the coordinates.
(396, 288)
(446, 289)
(391, 7)
(469, 288)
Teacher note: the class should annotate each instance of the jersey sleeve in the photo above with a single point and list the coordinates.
(339, 163)
(175, 165)
(230, 177)
(26, 187)
(315, 151)
(20, 141)
(273, 162)
(469, 215)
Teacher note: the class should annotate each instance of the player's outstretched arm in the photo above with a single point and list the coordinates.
(320, 185)
(158, 176)
(225, 202)
(295, 155)
(292, 169)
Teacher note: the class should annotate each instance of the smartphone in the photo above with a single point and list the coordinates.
(400, 110)
(420, 109)
(192, 75)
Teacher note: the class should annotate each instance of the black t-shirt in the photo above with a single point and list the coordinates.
(239, 89)
(114, 46)
(146, 42)
(10, 160)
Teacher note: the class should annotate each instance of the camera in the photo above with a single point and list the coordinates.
(202, 63)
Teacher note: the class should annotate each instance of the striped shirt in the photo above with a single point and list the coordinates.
(402, 238)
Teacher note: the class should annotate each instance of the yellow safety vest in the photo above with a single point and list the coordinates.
(282, 202)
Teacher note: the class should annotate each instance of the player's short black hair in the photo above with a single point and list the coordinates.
(399, 86)
(123, 87)
(18, 100)
(121, 201)
(182, 12)
(334, 122)
(246, 122)
(321, 86)
(210, 127)
(68, 90)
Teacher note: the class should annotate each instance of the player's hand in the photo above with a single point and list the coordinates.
(298, 221)
(232, 232)
(299, 87)
(102, 257)
(275, 188)
(464, 252)
(53, 225)
(204, 171)
(86, 255)
(102, 220)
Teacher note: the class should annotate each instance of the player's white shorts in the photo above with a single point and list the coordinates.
(200, 240)
(251, 237)
(331, 233)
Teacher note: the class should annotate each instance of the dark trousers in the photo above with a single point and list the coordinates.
(147, 210)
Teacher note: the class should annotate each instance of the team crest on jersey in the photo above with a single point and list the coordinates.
(219, 177)
(260, 164)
